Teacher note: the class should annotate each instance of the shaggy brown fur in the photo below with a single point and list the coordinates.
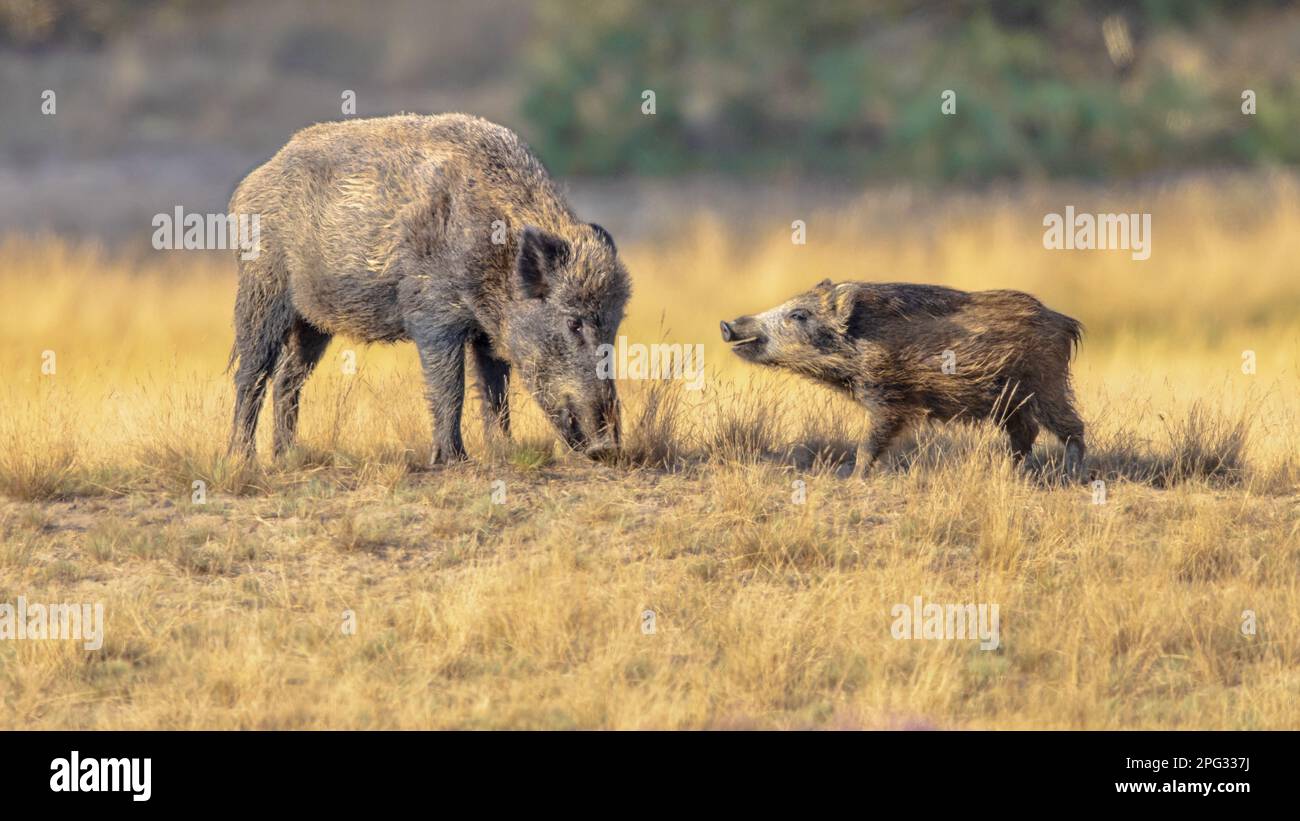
(887, 345)
(445, 230)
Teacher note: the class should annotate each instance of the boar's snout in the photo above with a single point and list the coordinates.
(745, 336)
(592, 428)
(602, 452)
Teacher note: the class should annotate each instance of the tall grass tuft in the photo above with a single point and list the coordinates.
(1206, 443)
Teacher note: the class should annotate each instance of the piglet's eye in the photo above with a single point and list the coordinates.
(799, 315)
(575, 324)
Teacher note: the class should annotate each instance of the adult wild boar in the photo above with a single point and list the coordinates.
(444, 230)
(907, 352)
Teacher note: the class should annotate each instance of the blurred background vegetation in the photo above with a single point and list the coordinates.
(174, 100)
(1085, 88)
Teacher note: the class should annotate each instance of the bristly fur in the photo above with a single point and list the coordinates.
(413, 227)
(908, 352)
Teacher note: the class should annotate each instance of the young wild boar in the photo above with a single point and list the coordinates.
(444, 230)
(911, 351)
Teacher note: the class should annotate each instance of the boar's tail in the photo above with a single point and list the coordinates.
(1074, 333)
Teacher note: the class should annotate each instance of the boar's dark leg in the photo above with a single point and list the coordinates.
(250, 389)
(305, 346)
(886, 426)
(493, 384)
(1023, 430)
(263, 316)
(442, 355)
(1059, 416)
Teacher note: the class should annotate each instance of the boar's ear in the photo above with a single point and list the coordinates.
(540, 254)
(604, 236)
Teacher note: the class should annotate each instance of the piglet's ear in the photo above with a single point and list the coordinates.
(540, 255)
(825, 292)
(604, 236)
(850, 310)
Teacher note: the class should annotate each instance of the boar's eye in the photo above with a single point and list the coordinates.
(575, 324)
(799, 315)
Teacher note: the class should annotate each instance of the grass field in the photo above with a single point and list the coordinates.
(349, 586)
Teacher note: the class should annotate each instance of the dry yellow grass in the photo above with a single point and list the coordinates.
(768, 613)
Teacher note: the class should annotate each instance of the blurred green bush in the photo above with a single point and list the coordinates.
(835, 87)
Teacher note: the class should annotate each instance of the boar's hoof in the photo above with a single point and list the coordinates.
(448, 456)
